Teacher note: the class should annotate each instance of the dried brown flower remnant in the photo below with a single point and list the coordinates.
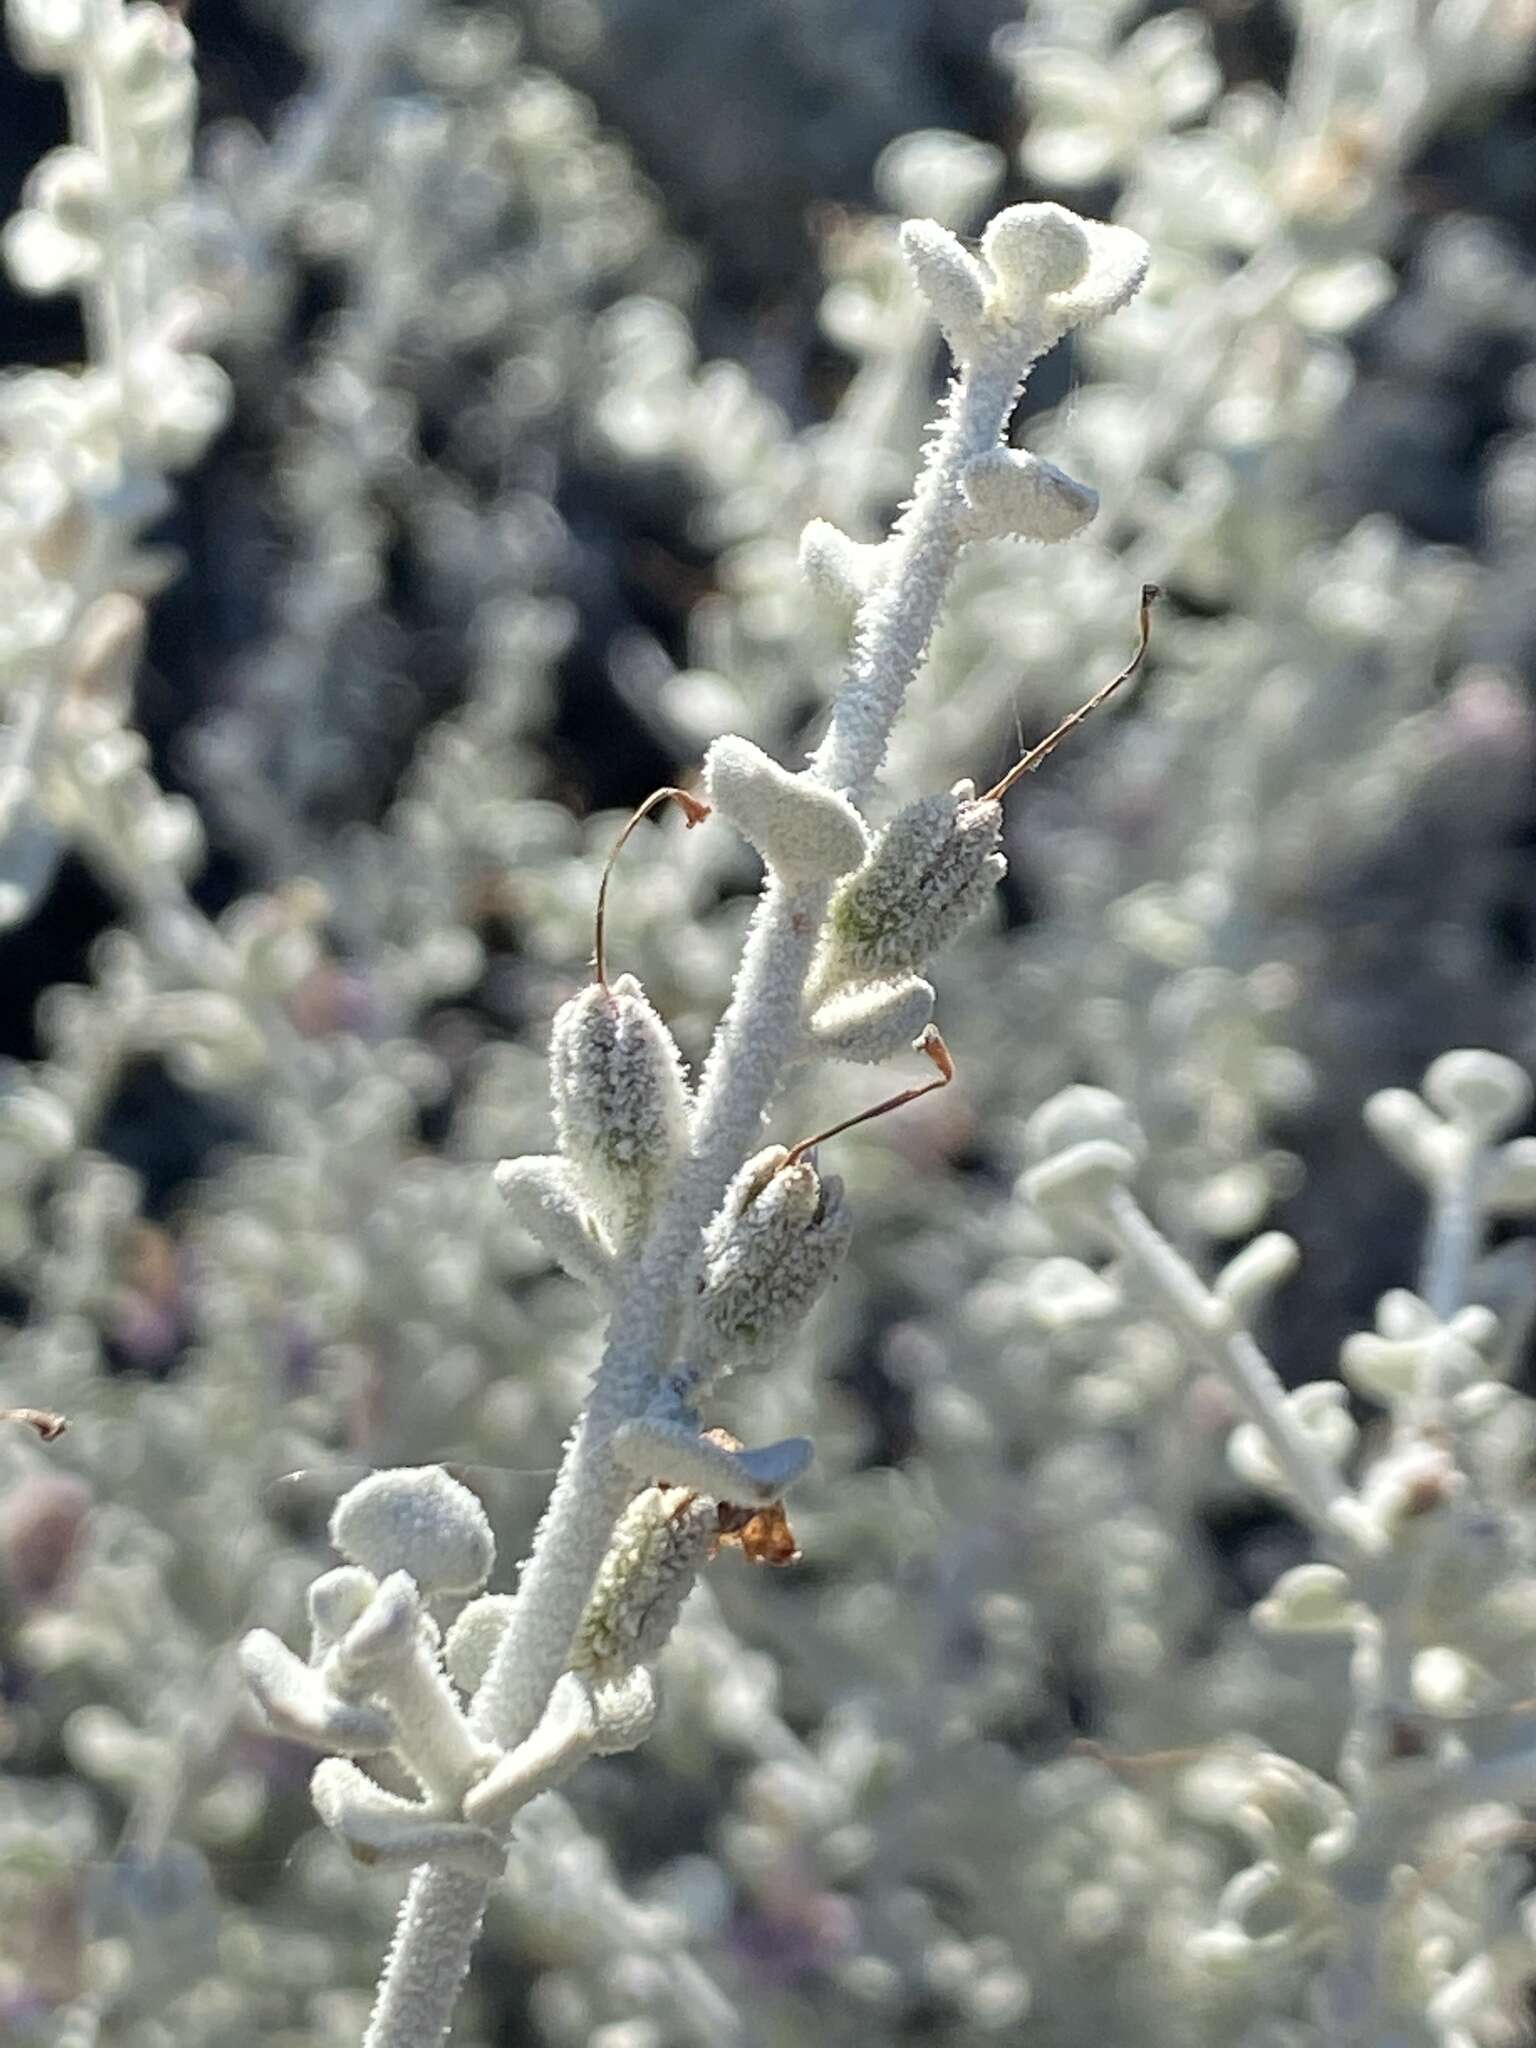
(761, 1534)
(43, 1420)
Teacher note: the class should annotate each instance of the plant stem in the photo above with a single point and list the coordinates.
(754, 1046)
(1320, 1491)
(1455, 1229)
(434, 1938)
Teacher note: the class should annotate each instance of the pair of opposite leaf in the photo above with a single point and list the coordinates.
(383, 1679)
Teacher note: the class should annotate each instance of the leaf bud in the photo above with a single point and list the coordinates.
(804, 832)
(1509, 1188)
(1480, 1092)
(949, 278)
(1410, 1480)
(1447, 1681)
(275, 938)
(209, 1040)
(565, 1735)
(380, 1827)
(621, 1103)
(840, 567)
(1062, 1294)
(624, 1712)
(1071, 1188)
(48, 35)
(148, 51)
(1055, 271)
(1320, 1408)
(471, 1643)
(927, 876)
(1310, 1600)
(541, 1194)
(871, 1021)
(337, 1600)
(1081, 1115)
(1011, 492)
(418, 1520)
(1470, 1099)
(777, 1240)
(1405, 1126)
(107, 647)
(297, 1701)
(1248, 1279)
(37, 1123)
(939, 174)
(1412, 1353)
(186, 400)
(70, 186)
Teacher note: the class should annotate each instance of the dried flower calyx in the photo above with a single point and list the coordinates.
(621, 1102)
(775, 1243)
(658, 1545)
(928, 875)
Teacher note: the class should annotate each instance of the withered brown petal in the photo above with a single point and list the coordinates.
(762, 1535)
(47, 1425)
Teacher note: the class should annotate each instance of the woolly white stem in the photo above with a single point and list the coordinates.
(572, 1539)
(1320, 1491)
(1350, 1995)
(434, 1940)
(1455, 1229)
(108, 303)
(896, 621)
(756, 1042)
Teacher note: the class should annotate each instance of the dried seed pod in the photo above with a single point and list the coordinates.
(930, 872)
(621, 1103)
(762, 1535)
(658, 1545)
(48, 1425)
(777, 1240)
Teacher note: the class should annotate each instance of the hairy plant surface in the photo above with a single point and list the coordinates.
(978, 1578)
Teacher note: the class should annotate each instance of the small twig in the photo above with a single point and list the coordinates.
(1511, 1834)
(1150, 593)
(1125, 1764)
(43, 1420)
(931, 1045)
(692, 809)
